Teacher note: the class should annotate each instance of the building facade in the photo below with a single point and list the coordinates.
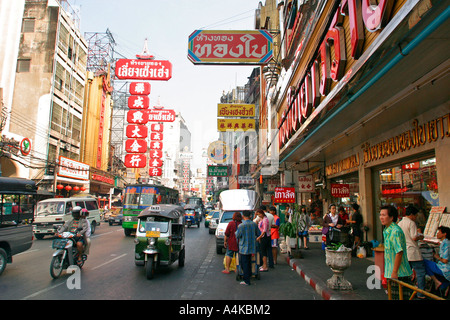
(361, 104)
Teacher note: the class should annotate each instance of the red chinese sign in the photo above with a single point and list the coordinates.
(137, 116)
(156, 136)
(157, 127)
(135, 160)
(230, 47)
(154, 172)
(143, 69)
(284, 195)
(136, 145)
(138, 102)
(136, 131)
(155, 153)
(140, 88)
(155, 162)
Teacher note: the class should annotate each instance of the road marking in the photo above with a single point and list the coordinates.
(107, 262)
(28, 251)
(42, 291)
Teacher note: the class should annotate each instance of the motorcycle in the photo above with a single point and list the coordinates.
(66, 254)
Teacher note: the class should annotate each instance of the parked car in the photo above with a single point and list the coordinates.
(208, 215)
(116, 217)
(213, 222)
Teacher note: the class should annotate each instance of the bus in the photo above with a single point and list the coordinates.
(17, 204)
(140, 196)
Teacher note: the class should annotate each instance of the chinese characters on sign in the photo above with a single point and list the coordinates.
(235, 124)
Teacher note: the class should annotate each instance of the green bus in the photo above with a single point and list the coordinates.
(140, 196)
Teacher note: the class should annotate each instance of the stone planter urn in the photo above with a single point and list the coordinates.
(338, 261)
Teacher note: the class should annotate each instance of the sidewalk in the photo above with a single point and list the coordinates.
(313, 269)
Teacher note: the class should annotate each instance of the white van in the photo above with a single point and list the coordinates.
(231, 201)
(53, 213)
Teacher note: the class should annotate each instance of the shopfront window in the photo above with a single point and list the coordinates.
(409, 183)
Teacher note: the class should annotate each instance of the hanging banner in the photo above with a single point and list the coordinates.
(284, 195)
(135, 69)
(230, 47)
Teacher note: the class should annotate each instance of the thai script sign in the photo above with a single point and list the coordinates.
(284, 195)
(161, 115)
(73, 169)
(340, 190)
(306, 183)
(143, 69)
(217, 171)
(420, 134)
(235, 110)
(230, 47)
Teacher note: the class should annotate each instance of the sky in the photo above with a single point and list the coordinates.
(193, 90)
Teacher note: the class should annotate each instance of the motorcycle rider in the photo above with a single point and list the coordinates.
(84, 214)
(79, 227)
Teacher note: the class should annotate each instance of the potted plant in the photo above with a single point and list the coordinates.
(338, 258)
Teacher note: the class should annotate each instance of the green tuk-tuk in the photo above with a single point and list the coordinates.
(160, 237)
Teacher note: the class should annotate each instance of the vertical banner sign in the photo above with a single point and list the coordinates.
(139, 113)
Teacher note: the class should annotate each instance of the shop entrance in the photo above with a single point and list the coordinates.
(409, 182)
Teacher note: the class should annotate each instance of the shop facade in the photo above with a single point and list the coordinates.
(363, 104)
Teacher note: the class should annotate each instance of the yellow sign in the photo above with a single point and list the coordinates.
(232, 110)
(235, 124)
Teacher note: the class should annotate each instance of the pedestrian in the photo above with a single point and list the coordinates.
(246, 236)
(409, 227)
(441, 269)
(343, 214)
(356, 221)
(264, 238)
(271, 219)
(274, 234)
(331, 220)
(396, 264)
(287, 213)
(230, 241)
(304, 224)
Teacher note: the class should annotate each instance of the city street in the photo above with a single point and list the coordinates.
(110, 273)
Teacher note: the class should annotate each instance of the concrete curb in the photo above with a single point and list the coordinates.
(324, 293)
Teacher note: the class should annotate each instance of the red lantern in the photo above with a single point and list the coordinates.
(68, 188)
(59, 187)
(83, 189)
(76, 188)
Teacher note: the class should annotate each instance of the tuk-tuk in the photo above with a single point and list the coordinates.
(160, 237)
(192, 215)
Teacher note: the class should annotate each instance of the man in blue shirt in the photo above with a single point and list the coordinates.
(246, 235)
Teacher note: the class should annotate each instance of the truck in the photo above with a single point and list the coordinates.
(231, 201)
(17, 202)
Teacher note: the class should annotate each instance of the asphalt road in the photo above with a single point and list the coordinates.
(110, 274)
